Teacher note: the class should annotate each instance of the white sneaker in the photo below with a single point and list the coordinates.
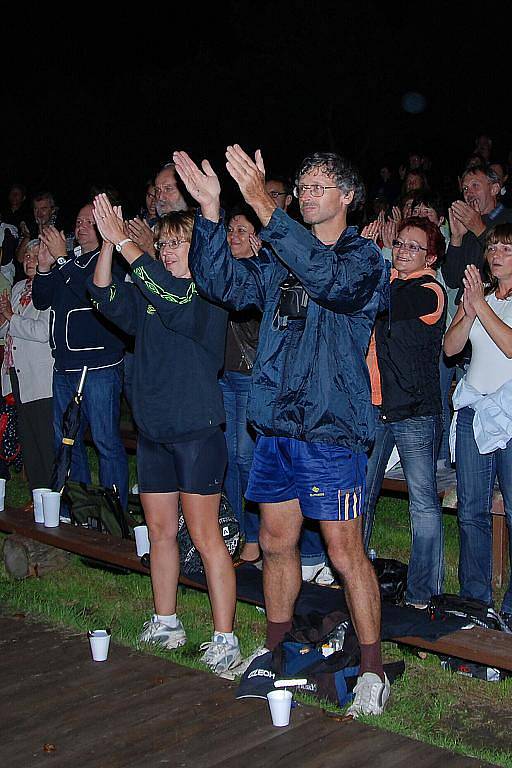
(325, 577)
(310, 572)
(158, 633)
(244, 664)
(220, 655)
(370, 695)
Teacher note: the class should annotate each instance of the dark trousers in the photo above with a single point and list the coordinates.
(35, 433)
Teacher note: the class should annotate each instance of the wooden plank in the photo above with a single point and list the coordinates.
(127, 717)
(350, 745)
(485, 646)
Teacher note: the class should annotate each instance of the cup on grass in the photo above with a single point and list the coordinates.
(51, 508)
(280, 703)
(141, 540)
(99, 641)
(2, 494)
(38, 503)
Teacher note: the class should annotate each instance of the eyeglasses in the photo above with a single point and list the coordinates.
(169, 189)
(171, 244)
(411, 247)
(273, 193)
(317, 190)
(239, 231)
(503, 247)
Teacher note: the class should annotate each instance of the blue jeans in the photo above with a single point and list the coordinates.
(446, 375)
(476, 475)
(100, 411)
(416, 440)
(240, 444)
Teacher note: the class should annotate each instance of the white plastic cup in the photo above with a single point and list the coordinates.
(280, 703)
(38, 503)
(2, 494)
(51, 509)
(99, 641)
(141, 540)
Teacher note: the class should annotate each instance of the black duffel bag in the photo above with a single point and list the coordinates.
(392, 578)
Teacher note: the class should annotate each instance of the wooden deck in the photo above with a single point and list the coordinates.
(139, 710)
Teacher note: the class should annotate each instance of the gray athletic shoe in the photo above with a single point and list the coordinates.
(220, 655)
(242, 667)
(158, 633)
(370, 695)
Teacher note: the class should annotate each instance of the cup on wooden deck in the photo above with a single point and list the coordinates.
(51, 509)
(38, 503)
(99, 641)
(141, 540)
(2, 494)
(280, 703)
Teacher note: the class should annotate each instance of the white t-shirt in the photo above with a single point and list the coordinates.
(489, 368)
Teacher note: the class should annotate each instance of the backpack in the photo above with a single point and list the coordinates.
(98, 508)
(190, 559)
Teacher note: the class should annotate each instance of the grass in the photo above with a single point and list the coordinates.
(444, 709)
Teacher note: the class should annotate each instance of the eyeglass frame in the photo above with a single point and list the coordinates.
(297, 193)
(161, 244)
(399, 244)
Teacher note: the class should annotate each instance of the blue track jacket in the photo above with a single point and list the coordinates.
(316, 387)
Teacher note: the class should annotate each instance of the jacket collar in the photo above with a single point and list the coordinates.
(419, 273)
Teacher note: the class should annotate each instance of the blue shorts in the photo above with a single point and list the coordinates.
(328, 480)
(191, 466)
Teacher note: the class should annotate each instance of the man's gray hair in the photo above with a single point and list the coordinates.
(343, 173)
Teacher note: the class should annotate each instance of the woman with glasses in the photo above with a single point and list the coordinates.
(407, 397)
(483, 404)
(177, 406)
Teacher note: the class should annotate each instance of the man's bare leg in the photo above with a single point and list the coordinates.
(280, 529)
(345, 547)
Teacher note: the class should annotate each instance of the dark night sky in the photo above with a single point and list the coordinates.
(85, 104)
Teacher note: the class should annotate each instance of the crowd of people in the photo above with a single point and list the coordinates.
(278, 351)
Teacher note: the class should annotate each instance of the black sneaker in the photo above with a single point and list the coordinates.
(507, 619)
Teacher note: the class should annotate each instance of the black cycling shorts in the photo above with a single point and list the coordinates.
(191, 466)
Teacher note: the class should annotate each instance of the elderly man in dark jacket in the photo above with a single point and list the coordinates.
(310, 397)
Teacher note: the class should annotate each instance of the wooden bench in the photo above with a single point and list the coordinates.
(479, 645)
(395, 484)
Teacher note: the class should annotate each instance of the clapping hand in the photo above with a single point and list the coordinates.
(457, 228)
(473, 291)
(141, 234)
(44, 258)
(109, 220)
(203, 185)
(388, 232)
(249, 174)
(255, 243)
(372, 230)
(396, 214)
(55, 241)
(468, 215)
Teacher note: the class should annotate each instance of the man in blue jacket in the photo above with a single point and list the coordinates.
(319, 292)
(80, 336)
